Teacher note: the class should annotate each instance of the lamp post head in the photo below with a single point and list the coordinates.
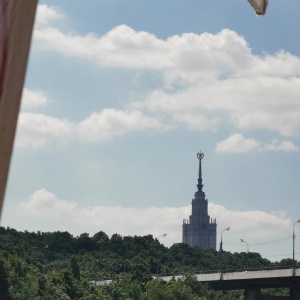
(242, 241)
(163, 235)
(298, 221)
(225, 229)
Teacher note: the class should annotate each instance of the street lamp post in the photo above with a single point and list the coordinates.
(163, 235)
(221, 244)
(243, 241)
(221, 250)
(298, 221)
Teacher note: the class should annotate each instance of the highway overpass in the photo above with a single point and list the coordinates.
(252, 281)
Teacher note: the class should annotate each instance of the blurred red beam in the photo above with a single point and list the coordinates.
(16, 25)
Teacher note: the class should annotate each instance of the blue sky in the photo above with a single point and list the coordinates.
(121, 95)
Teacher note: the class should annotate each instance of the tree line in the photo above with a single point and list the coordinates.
(58, 265)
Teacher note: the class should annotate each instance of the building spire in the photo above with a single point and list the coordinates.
(200, 156)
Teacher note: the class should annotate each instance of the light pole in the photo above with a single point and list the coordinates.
(298, 221)
(163, 235)
(221, 244)
(243, 241)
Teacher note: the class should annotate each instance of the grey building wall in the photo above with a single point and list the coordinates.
(200, 230)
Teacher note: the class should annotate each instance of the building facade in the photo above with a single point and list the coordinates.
(200, 230)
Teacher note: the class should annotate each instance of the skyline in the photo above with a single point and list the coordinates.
(121, 95)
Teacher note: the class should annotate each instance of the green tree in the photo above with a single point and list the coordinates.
(3, 281)
(75, 268)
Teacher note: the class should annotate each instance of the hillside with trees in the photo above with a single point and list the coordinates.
(57, 265)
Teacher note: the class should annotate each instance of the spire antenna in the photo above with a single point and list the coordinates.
(200, 156)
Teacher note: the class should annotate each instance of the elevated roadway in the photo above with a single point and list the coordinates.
(229, 280)
(252, 281)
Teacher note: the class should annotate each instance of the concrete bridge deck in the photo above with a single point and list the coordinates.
(241, 279)
(252, 281)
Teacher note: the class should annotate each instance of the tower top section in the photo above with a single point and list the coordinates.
(200, 156)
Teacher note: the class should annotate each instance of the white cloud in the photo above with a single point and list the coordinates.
(276, 145)
(33, 99)
(251, 223)
(109, 123)
(189, 56)
(236, 143)
(45, 15)
(37, 131)
(197, 122)
(45, 211)
(43, 204)
(122, 47)
(248, 103)
(281, 64)
(212, 75)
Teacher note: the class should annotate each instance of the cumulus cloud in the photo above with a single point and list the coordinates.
(237, 143)
(276, 145)
(189, 56)
(140, 50)
(44, 206)
(250, 223)
(109, 123)
(202, 55)
(37, 131)
(248, 103)
(32, 99)
(208, 79)
(46, 15)
(197, 122)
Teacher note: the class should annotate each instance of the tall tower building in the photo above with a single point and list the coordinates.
(200, 230)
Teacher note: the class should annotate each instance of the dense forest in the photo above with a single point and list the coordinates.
(57, 265)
